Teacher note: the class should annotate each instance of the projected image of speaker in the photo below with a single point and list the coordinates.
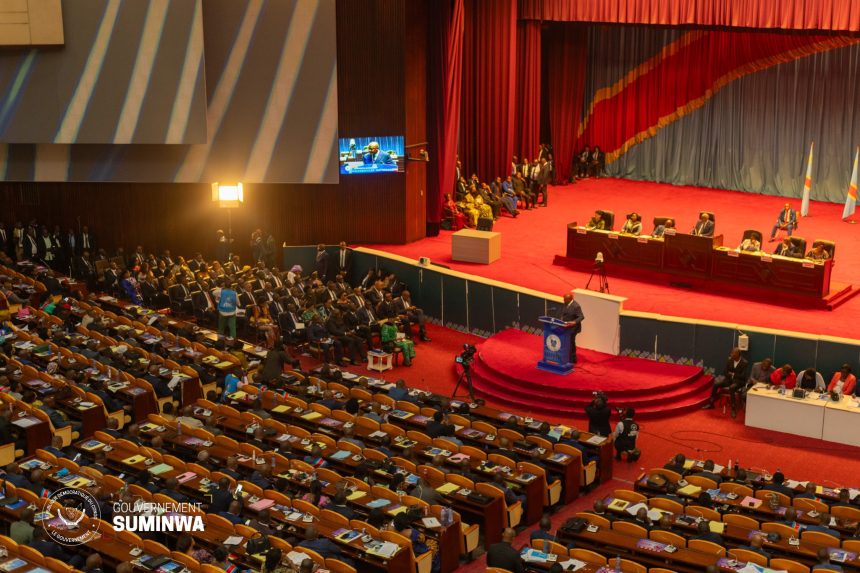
(485, 224)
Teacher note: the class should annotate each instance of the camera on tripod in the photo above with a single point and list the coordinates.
(466, 357)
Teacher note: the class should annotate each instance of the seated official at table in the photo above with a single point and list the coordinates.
(750, 245)
(818, 253)
(810, 379)
(786, 221)
(597, 221)
(660, 230)
(784, 376)
(761, 372)
(705, 227)
(787, 249)
(843, 382)
(633, 225)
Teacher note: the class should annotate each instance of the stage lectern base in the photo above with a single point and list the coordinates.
(556, 346)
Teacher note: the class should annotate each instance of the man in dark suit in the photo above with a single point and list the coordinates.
(368, 322)
(705, 227)
(321, 262)
(376, 157)
(322, 545)
(503, 555)
(85, 242)
(344, 259)
(734, 379)
(6, 240)
(571, 313)
(413, 315)
(787, 249)
(786, 220)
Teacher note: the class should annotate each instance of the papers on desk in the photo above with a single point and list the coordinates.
(312, 416)
(160, 469)
(751, 502)
(401, 414)
(717, 526)
(690, 490)
(12, 564)
(431, 522)
(530, 555)
(559, 458)
(357, 494)
(447, 488)
(187, 476)
(572, 564)
(281, 408)
(26, 421)
(384, 549)
(619, 505)
(234, 540)
(596, 440)
(794, 484)
(262, 504)
(378, 434)
(340, 455)
(634, 509)
(380, 502)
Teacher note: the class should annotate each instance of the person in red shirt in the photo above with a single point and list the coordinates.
(784, 376)
(843, 381)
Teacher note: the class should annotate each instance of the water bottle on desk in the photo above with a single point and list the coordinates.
(617, 564)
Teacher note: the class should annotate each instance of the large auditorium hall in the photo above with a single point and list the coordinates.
(283, 289)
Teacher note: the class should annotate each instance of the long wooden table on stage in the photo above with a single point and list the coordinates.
(701, 259)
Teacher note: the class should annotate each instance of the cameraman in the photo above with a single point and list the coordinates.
(626, 432)
(598, 413)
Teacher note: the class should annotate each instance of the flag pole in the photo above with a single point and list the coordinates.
(851, 195)
(807, 184)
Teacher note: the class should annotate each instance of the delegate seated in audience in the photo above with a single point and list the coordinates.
(676, 464)
(633, 225)
(787, 248)
(818, 253)
(509, 196)
(660, 230)
(750, 245)
(843, 381)
(785, 221)
(580, 163)
(596, 162)
(597, 222)
(824, 562)
(504, 556)
(777, 484)
(704, 226)
(784, 376)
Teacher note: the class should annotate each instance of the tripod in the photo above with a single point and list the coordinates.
(465, 376)
(599, 271)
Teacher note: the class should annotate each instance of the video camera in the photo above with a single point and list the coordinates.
(465, 358)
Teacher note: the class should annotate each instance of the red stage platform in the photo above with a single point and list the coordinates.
(505, 371)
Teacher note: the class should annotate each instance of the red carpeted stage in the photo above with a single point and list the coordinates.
(531, 242)
(505, 372)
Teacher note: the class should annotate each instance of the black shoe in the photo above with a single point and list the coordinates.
(708, 406)
(425, 338)
(734, 413)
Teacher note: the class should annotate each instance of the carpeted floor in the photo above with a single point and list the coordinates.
(697, 433)
(530, 242)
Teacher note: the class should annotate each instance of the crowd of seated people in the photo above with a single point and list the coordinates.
(525, 187)
(319, 307)
(88, 349)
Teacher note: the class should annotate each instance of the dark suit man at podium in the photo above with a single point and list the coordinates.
(571, 313)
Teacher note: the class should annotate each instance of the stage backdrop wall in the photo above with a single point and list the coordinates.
(722, 108)
(474, 304)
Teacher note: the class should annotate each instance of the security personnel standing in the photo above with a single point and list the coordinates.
(626, 433)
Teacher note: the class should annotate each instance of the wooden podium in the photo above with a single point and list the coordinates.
(473, 246)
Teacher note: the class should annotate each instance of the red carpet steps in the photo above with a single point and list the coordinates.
(504, 371)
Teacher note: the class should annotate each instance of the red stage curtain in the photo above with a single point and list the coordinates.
(528, 81)
(489, 61)
(681, 79)
(566, 53)
(446, 60)
(837, 15)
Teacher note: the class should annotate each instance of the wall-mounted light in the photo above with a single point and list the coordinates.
(228, 196)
